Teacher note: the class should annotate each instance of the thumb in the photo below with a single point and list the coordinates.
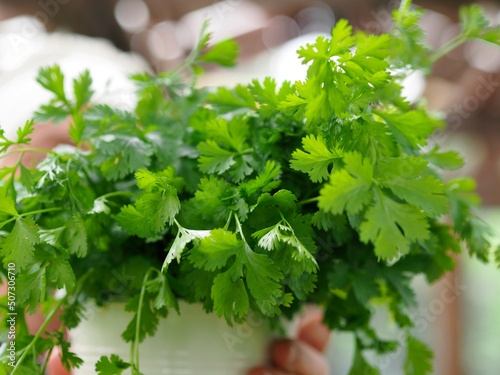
(313, 331)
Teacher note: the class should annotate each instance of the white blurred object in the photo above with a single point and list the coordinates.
(162, 42)
(24, 52)
(285, 64)
(483, 56)
(228, 19)
(193, 342)
(413, 86)
(132, 15)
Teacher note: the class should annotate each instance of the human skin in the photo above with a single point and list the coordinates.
(302, 356)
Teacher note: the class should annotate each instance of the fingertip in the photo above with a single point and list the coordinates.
(316, 334)
(55, 366)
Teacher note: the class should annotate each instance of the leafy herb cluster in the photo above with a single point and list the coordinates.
(263, 197)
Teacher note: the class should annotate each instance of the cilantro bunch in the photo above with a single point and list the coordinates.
(261, 198)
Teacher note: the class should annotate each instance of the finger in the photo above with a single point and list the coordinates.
(299, 358)
(55, 366)
(316, 334)
(311, 314)
(268, 371)
(312, 330)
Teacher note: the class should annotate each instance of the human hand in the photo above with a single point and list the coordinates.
(55, 366)
(304, 355)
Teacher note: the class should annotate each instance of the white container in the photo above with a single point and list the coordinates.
(191, 343)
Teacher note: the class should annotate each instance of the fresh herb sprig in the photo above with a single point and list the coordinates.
(259, 198)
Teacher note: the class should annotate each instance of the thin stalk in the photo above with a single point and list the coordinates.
(448, 47)
(240, 229)
(29, 149)
(30, 213)
(405, 5)
(47, 358)
(134, 349)
(307, 201)
(228, 222)
(48, 319)
(117, 193)
(37, 336)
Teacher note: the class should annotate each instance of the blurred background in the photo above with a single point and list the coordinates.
(460, 316)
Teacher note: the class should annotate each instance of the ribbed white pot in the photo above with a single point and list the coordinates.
(191, 343)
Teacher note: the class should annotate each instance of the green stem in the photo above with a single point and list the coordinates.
(404, 6)
(134, 349)
(46, 362)
(448, 47)
(247, 151)
(28, 149)
(29, 214)
(307, 201)
(37, 336)
(228, 222)
(117, 193)
(239, 228)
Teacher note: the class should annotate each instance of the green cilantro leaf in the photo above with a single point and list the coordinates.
(497, 256)
(55, 113)
(149, 319)
(213, 199)
(407, 179)
(82, 88)
(215, 159)
(491, 35)
(316, 159)
(112, 365)
(31, 289)
(283, 232)
(411, 129)
(473, 20)
(361, 366)
(159, 207)
(61, 274)
(445, 160)
(75, 236)
(7, 205)
(164, 295)
(268, 96)
(350, 188)
(72, 314)
(266, 181)
(224, 53)
(4, 142)
(119, 155)
(418, 358)
(263, 280)
(230, 297)
(409, 45)
(213, 252)
(52, 79)
(391, 227)
(184, 236)
(24, 132)
(230, 100)
(134, 222)
(69, 359)
(19, 245)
